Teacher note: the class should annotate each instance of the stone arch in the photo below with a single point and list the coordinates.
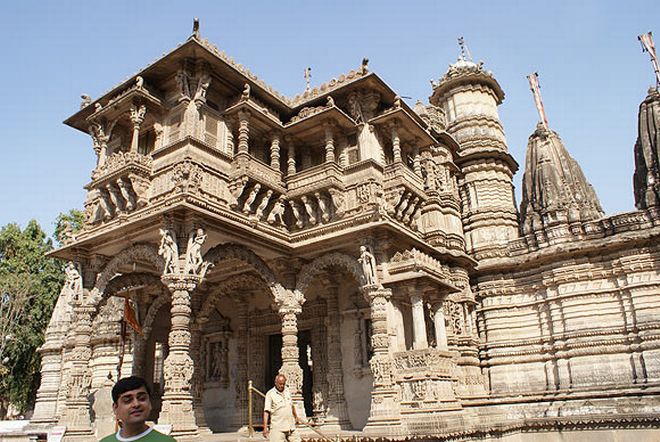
(147, 252)
(241, 253)
(226, 288)
(310, 270)
(155, 306)
(124, 282)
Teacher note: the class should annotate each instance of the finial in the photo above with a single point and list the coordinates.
(465, 51)
(308, 77)
(365, 65)
(536, 92)
(245, 95)
(86, 100)
(648, 46)
(195, 32)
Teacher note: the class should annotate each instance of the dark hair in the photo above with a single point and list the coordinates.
(128, 384)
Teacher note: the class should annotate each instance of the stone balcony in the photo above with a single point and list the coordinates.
(118, 187)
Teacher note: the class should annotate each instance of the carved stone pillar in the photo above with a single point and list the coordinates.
(420, 340)
(337, 411)
(139, 354)
(319, 343)
(384, 415)
(177, 407)
(275, 151)
(329, 142)
(440, 329)
(243, 131)
(417, 160)
(198, 378)
(290, 356)
(137, 118)
(76, 415)
(229, 148)
(291, 160)
(396, 142)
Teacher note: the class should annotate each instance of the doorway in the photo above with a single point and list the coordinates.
(274, 363)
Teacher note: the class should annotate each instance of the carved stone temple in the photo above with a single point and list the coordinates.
(371, 251)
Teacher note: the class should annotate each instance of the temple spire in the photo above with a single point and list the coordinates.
(648, 46)
(538, 102)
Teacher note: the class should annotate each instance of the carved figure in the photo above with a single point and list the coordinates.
(325, 215)
(202, 87)
(125, 190)
(308, 209)
(296, 214)
(368, 262)
(262, 205)
(73, 281)
(403, 206)
(337, 198)
(169, 251)
(86, 101)
(98, 107)
(330, 101)
(139, 82)
(407, 216)
(236, 188)
(276, 214)
(194, 262)
(364, 68)
(246, 92)
(247, 207)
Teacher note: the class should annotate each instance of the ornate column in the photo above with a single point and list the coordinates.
(290, 357)
(275, 151)
(229, 147)
(177, 408)
(440, 329)
(198, 378)
(337, 411)
(396, 142)
(76, 415)
(243, 131)
(291, 160)
(329, 142)
(417, 160)
(384, 415)
(137, 118)
(419, 326)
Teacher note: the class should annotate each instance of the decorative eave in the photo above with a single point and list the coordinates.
(166, 65)
(262, 115)
(491, 153)
(311, 121)
(405, 120)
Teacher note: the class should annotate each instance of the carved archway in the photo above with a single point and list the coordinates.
(162, 299)
(312, 269)
(241, 253)
(227, 288)
(144, 252)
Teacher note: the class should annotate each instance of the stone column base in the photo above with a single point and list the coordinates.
(179, 413)
(385, 415)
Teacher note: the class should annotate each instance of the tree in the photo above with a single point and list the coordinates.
(29, 286)
(74, 218)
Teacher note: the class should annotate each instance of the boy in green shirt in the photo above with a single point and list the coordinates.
(131, 402)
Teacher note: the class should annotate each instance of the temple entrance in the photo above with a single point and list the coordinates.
(274, 362)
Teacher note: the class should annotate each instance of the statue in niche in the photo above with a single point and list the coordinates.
(73, 281)
(194, 262)
(218, 361)
(169, 251)
(368, 262)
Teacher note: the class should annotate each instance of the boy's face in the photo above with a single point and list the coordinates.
(133, 406)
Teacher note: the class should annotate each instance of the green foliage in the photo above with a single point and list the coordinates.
(29, 286)
(75, 218)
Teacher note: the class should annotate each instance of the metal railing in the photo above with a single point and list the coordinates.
(251, 389)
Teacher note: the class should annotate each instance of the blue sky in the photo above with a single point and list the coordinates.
(592, 72)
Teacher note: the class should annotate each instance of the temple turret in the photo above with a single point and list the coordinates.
(469, 96)
(556, 193)
(646, 180)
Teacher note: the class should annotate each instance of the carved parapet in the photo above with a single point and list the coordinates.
(321, 177)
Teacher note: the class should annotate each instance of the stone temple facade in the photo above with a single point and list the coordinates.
(371, 251)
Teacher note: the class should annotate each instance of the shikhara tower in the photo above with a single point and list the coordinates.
(370, 251)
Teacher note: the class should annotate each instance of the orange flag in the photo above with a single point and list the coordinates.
(129, 317)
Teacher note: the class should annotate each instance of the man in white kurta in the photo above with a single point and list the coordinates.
(280, 416)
